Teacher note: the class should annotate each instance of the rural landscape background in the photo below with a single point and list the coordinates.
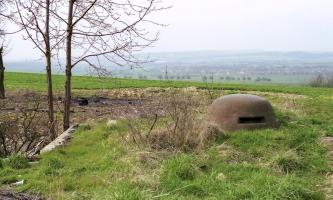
(114, 99)
(217, 66)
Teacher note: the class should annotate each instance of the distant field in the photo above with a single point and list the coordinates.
(37, 82)
(280, 67)
(274, 78)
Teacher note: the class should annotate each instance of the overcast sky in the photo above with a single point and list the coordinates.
(281, 25)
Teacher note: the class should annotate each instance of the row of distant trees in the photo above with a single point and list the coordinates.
(203, 78)
(171, 77)
(81, 31)
(207, 78)
(230, 78)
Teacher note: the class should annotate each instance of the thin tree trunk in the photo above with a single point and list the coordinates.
(68, 66)
(50, 98)
(2, 76)
(67, 99)
(49, 72)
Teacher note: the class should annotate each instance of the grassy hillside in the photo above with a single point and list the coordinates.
(98, 164)
(285, 163)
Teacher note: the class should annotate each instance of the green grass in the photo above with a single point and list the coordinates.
(98, 164)
(285, 163)
(15, 81)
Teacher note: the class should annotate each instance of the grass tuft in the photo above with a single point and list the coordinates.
(18, 162)
(290, 162)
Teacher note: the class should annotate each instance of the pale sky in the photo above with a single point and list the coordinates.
(279, 25)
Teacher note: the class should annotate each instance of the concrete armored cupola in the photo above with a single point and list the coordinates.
(242, 111)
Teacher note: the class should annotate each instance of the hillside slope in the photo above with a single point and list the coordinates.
(101, 163)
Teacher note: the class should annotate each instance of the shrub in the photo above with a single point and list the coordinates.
(322, 81)
(181, 124)
(24, 130)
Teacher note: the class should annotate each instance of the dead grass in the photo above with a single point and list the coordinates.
(177, 124)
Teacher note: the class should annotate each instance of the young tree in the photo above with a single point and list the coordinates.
(34, 17)
(103, 31)
(2, 75)
(3, 17)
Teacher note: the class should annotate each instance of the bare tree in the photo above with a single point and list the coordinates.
(105, 31)
(2, 67)
(2, 75)
(33, 16)
(6, 14)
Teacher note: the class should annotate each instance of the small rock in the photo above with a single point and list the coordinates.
(111, 123)
(221, 177)
(18, 183)
(33, 163)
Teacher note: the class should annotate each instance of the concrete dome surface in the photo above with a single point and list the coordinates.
(242, 111)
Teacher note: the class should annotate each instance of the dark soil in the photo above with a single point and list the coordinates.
(104, 101)
(8, 195)
(82, 108)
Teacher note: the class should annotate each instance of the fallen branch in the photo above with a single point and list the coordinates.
(153, 125)
(61, 140)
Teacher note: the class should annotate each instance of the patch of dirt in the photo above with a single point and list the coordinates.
(84, 108)
(89, 109)
(9, 195)
(100, 104)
